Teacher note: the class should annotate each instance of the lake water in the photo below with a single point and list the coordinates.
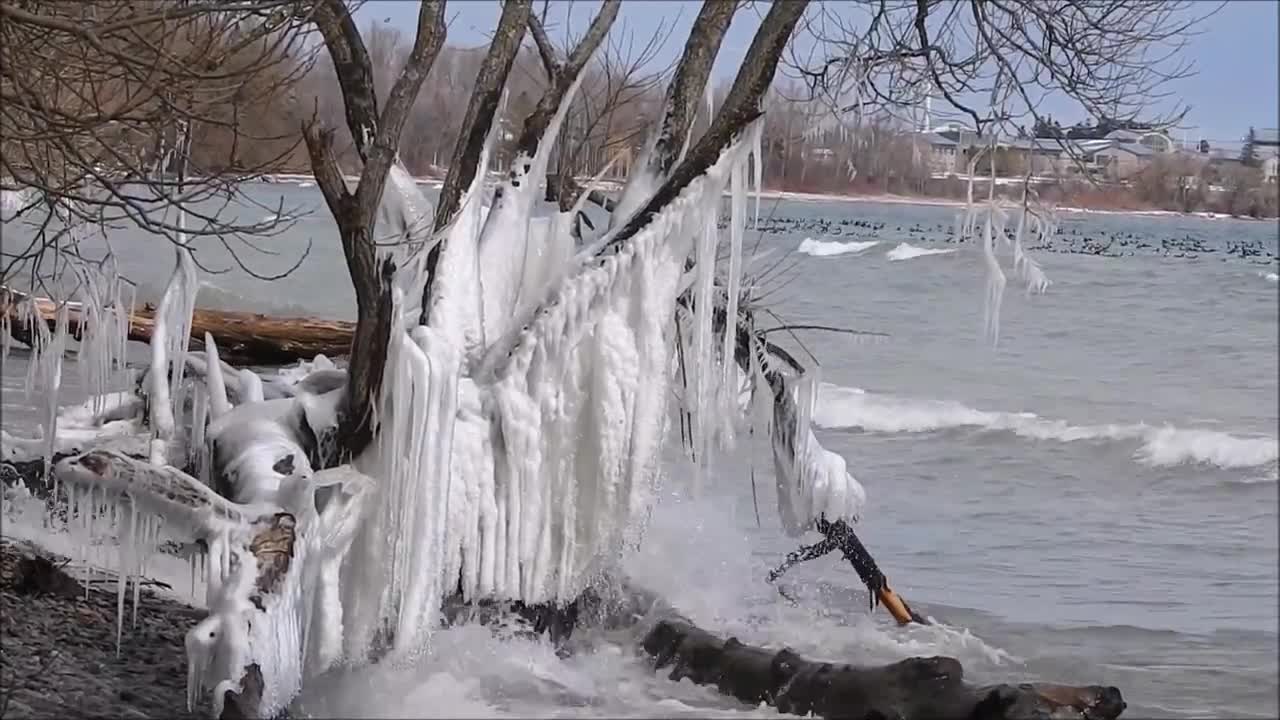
(1094, 501)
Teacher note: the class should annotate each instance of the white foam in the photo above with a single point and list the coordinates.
(697, 557)
(1269, 277)
(907, 251)
(841, 407)
(827, 248)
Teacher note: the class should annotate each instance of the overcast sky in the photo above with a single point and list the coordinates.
(1237, 53)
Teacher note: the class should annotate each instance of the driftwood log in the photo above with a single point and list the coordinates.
(925, 688)
(242, 337)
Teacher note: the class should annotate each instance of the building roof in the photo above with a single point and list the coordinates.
(953, 127)
(1053, 145)
(1092, 146)
(1124, 134)
(938, 140)
(1131, 148)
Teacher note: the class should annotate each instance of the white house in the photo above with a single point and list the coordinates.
(1266, 147)
(1156, 140)
(1124, 160)
(943, 152)
(1271, 168)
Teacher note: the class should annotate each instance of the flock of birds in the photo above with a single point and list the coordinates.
(1068, 239)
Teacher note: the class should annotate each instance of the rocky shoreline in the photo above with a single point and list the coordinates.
(58, 647)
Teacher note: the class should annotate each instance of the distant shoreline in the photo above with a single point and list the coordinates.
(891, 199)
(881, 198)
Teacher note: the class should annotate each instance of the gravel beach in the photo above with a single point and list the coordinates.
(58, 648)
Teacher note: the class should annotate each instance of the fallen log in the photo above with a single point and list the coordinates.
(917, 687)
(242, 337)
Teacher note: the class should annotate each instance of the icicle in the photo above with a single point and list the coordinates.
(729, 373)
(128, 548)
(199, 422)
(6, 338)
(216, 386)
(703, 350)
(137, 536)
(995, 287)
(709, 95)
(53, 384)
(179, 322)
(162, 420)
(250, 386)
(757, 166)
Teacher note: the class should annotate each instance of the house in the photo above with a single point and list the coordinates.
(1271, 168)
(1057, 157)
(1266, 148)
(942, 152)
(1156, 140)
(1123, 160)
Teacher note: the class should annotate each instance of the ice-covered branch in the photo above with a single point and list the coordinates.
(669, 139)
(271, 569)
(470, 156)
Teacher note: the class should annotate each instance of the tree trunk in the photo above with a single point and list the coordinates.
(925, 688)
(243, 338)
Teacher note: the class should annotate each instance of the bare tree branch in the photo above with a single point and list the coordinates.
(687, 87)
(535, 125)
(482, 109)
(94, 98)
(740, 108)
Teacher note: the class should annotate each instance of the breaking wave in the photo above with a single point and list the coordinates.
(1270, 277)
(1161, 446)
(907, 251)
(827, 248)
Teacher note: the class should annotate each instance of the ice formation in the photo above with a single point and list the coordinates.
(171, 335)
(516, 466)
(520, 431)
(256, 615)
(994, 218)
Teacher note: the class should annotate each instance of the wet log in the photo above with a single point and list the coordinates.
(917, 687)
(244, 338)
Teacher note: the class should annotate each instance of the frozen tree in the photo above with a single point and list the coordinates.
(497, 435)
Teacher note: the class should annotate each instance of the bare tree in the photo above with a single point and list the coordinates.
(376, 136)
(609, 114)
(994, 63)
(104, 102)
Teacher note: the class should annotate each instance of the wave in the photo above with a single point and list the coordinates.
(1270, 477)
(827, 248)
(907, 251)
(1270, 277)
(1161, 446)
